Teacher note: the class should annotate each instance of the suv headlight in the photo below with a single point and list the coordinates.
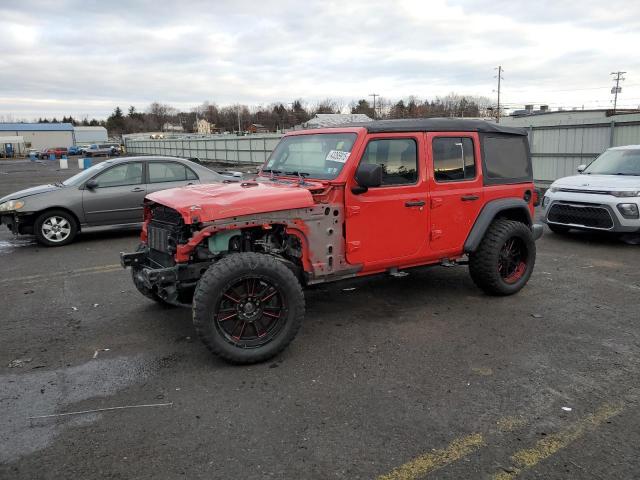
(625, 193)
(553, 189)
(11, 205)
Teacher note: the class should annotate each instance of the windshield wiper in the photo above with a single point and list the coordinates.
(298, 174)
(271, 171)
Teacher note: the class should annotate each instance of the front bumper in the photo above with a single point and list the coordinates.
(167, 282)
(18, 223)
(593, 212)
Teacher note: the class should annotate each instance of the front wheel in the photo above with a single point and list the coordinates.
(248, 307)
(55, 228)
(505, 258)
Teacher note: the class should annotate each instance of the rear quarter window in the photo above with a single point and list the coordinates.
(506, 159)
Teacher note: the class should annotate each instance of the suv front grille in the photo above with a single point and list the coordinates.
(584, 215)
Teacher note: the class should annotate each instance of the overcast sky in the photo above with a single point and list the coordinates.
(85, 57)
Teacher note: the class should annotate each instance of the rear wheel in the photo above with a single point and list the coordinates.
(505, 258)
(55, 228)
(248, 307)
(559, 229)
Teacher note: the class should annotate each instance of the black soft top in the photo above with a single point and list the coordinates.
(438, 125)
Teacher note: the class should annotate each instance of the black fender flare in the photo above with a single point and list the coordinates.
(488, 213)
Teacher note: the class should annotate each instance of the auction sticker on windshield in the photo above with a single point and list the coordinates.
(338, 156)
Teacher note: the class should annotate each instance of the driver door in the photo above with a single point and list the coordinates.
(117, 199)
(388, 225)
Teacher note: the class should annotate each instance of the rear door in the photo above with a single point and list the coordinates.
(166, 174)
(455, 182)
(118, 197)
(388, 225)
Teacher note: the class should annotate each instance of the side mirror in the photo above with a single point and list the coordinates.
(581, 168)
(91, 184)
(368, 175)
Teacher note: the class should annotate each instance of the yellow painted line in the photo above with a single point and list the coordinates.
(529, 457)
(68, 273)
(420, 466)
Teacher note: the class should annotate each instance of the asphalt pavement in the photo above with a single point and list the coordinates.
(393, 378)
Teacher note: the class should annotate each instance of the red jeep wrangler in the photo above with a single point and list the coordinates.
(337, 203)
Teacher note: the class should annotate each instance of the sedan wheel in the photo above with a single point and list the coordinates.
(55, 228)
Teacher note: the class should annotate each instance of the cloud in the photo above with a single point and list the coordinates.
(83, 58)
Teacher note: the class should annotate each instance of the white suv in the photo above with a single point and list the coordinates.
(605, 196)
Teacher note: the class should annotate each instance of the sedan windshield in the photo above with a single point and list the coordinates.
(78, 178)
(320, 156)
(616, 162)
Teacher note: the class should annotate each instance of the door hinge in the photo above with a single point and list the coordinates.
(353, 246)
(353, 210)
(436, 202)
(435, 234)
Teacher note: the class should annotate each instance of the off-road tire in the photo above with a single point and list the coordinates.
(559, 229)
(46, 218)
(484, 262)
(222, 275)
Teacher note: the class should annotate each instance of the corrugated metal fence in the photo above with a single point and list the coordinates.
(250, 150)
(556, 150)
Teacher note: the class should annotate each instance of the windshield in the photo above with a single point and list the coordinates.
(616, 162)
(320, 156)
(78, 178)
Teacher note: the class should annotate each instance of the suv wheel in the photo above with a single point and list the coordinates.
(55, 228)
(248, 307)
(505, 258)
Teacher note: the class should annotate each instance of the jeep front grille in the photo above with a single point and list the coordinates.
(158, 238)
(580, 215)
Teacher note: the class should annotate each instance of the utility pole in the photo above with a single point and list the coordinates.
(617, 89)
(374, 95)
(499, 68)
(239, 127)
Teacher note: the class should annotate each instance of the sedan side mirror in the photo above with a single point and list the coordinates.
(368, 175)
(581, 168)
(91, 184)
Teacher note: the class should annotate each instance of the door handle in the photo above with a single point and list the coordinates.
(415, 203)
(469, 198)
(138, 189)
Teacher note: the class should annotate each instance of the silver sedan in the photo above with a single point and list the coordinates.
(109, 193)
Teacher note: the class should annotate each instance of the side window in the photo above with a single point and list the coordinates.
(453, 159)
(166, 172)
(398, 157)
(121, 175)
(191, 175)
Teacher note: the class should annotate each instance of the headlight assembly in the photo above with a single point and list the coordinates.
(11, 205)
(625, 193)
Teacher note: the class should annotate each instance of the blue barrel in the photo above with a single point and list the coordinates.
(32, 156)
(86, 163)
(52, 156)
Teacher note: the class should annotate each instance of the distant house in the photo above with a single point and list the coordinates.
(257, 128)
(170, 127)
(202, 127)
(322, 120)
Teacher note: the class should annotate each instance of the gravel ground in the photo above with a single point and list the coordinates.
(399, 378)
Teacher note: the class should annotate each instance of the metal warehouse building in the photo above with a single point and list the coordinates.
(89, 135)
(40, 135)
(562, 140)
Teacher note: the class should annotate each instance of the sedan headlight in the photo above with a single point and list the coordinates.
(11, 205)
(625, 193)
(553, 189)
